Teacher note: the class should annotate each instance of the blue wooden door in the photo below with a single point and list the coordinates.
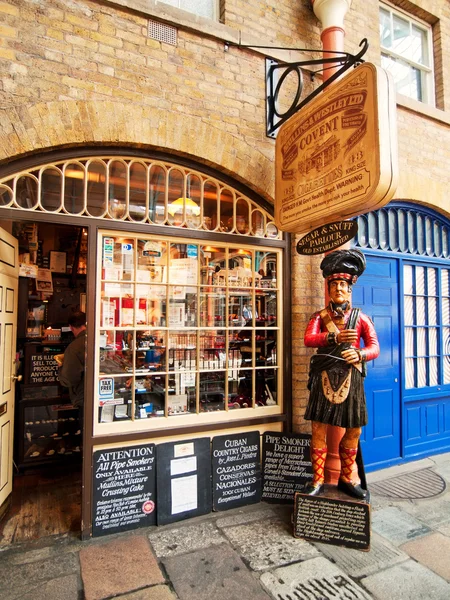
(376, 293)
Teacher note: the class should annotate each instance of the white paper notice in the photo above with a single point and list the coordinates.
(183, 465)
(184, 494)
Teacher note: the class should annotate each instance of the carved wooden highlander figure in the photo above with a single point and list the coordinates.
(337, 370)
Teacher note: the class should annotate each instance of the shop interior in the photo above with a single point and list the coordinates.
(46, 498)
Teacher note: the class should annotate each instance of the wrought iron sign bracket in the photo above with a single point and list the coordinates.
(277, 72)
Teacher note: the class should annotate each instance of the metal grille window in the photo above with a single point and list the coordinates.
(404, 229)
(203, 8)
(137, 191)
(427, 326)
(406, 53)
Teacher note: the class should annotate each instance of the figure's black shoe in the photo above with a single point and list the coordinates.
(352, 489)
(314, 489)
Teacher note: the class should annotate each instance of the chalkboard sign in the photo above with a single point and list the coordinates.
(332, 521)
(43, 368)
(183, 480)
(286, 465)
(236, 470)
(124, 489)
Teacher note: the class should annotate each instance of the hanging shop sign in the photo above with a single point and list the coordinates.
(327, 237)
(337, 157)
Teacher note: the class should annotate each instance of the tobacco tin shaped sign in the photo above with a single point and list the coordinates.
(337, 157)
(327, 237)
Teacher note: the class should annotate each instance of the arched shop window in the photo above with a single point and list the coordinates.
(187, 326)
(421, 238)
(137, 190)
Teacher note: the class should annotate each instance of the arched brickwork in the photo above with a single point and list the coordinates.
(29, 129)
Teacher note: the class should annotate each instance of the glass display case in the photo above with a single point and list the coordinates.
(185, 328)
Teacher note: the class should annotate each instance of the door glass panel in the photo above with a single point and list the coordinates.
(420, 311)
(410, 370)
(433, 366)
(421, 341)
(421, 372)
(409, 341)
(432, 311)
(408, 279)
(432, 282)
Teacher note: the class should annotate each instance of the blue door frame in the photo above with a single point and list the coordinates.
(404, 424)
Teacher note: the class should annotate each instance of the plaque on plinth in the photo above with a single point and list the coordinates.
(332, 518)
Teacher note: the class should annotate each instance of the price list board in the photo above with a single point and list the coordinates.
(236, 470)
(286, 466)
(124, 489)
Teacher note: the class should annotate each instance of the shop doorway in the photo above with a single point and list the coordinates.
(46, 454)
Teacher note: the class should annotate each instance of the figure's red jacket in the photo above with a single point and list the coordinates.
(316, 334)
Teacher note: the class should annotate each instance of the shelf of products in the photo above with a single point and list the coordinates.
(185, 329)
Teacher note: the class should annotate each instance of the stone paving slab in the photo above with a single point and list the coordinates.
(28, 574)
(397, 526)
(178, 540)
(434, 512)
(268, 544)
(119, 566)
(158, 592)
(62, 588)
(215, 573)
(443, 469)
(316, 578)
(432, 551)
(407, 581)
(357, 563)
(261, 513)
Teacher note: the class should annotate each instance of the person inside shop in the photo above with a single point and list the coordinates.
(71, 371)
(337, 370)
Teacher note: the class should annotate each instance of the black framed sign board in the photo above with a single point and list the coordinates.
(183, 480)
(332, 521)
(124, 489)
(236, 470)
(286, 465)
